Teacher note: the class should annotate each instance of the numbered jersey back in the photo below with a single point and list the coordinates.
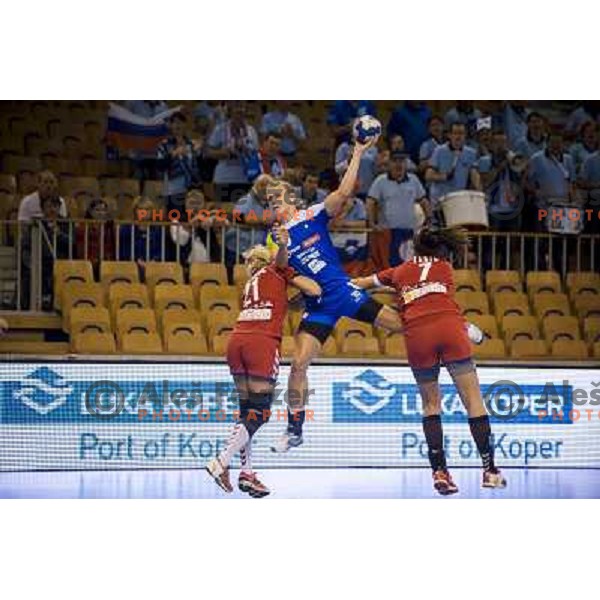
(264, 302)
(425, 287)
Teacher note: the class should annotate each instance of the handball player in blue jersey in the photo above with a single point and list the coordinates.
(312, 254)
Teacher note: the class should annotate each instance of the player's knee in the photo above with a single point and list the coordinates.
(256, 411)
(300, 364)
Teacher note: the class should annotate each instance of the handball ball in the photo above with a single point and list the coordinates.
(366, 128)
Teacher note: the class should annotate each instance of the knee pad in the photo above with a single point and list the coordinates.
(256, 411)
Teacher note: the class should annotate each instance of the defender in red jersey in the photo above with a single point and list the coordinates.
(253, 356)
(436, 333)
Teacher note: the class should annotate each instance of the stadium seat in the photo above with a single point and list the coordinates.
(358, 346)
(487, 323)
(87, 188)
(176, 316)
(543, 281)
(8, 185)
(591, 329)
(521, 348)
(202, 274)
(288, 346)
(515, 327)
(570, 349)
(135, 320)
(510, 304)
(77, 294)
(583, 281)
(219, 343)
(224, 296)
(223, 322)
(587, 305)
(173, 296)
(546, 305)
(93, 342)
(349, 328)
(596, 350)
(127, 295)
(467, 279)
(473, 302)
(330, 349)
(89, 319)
(240, 276)
(154, 191)
(490, 349)
(503, 281)
(120, 189)
(185, 338)
(162, 273)
(560, 327)
(66, 271)
(141, 342)
(18, 165)
(113, 271)
(395, 346)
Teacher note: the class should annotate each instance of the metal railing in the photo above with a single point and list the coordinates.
(30, 248)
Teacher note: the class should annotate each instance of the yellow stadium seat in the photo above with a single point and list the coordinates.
(395, 346)
(547, 305)
(208, 273)
(560, 327)
(66, 271)
(127, 295)
(226, 296)
(113, 271)
(89, 319)
(358, 346)
(487, 323)
(510, 304)
(349, 328)
(473, 302)
(85, 188)
(467, 279)
(120, 188)
(596, 350)
(176, 316)
(515, 327)
(587, 305)
(93, 342)
(582, 281)
(185, 338)
(173, 296)
(503, 281)
(288, 346)
(570, 349)
(330, 348)
(153, 190)
(221, 323)
(141, 342)
(135, 320)
(77, 294)
(163, 273)
(8, 184)
(240, 276)
(219, 343)
(490, 349)
(591, 329)
(543, 281)
(528, 349)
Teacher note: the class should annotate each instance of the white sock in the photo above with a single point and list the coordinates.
(237, 440)
(246, 457)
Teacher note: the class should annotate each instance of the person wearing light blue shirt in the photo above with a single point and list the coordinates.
(309, 192)
(465, 113)
(411, 122)
(287, 125)
(351, 243)
(453, 166)
(586, 146)
(514, 119)
(535, 138)
(436, 138)
(366, 171)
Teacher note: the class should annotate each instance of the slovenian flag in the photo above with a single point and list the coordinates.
(128, 132)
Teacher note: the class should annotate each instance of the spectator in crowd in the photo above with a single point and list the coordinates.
(435, 126)
(514, 120)
(391, 212)
(366, 170)
(287, 125)
(249, 214)
(589, 181)
(96, 240)
(350, 237)
(588, 110)
(195, 232)
(342, 114)
(146, 108)
(535, 138)
(309, 192)
(234, 143)
(177, 160)
(271, 161)
(396, 144)
(411, 121)
(465, 113)
(141, 241)
(453, 166)
(586, 145)
(483, 136)
(47, 187)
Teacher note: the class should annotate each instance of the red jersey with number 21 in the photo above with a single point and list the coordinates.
(425, 288)
(265, 302)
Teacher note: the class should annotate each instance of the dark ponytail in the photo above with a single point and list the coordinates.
(441, 243)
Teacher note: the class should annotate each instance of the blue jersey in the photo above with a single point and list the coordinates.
(312, 253)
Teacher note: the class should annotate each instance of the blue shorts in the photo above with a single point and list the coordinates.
(345, 300)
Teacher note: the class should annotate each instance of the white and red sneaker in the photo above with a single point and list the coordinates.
(220, 474)
(249, 483)
(493, 478)
(443, 483)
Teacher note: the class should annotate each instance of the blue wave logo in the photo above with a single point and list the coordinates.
(43, 391)
(369, 392)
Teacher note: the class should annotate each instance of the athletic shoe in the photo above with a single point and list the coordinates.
(249, 483)
(286, 441)
(493, 478)
(220, 474)
(443, 484)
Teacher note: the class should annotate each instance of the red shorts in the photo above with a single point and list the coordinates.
(434, 340)
(253, 356)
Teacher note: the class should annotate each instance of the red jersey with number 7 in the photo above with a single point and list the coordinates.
(425, 287)
(265, 302)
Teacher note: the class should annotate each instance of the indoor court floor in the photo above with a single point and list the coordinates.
(297, 483)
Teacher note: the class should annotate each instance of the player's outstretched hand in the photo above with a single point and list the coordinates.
(280, 235)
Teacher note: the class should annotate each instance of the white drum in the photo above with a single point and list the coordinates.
(465, 209)
(564, 217)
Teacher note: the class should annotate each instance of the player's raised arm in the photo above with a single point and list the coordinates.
(281, 238)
